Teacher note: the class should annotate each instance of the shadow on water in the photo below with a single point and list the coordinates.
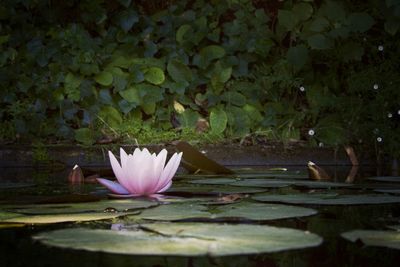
(18, 249)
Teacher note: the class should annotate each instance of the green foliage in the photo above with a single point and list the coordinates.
(74, 69)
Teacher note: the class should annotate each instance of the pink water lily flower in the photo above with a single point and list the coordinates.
(142, 173)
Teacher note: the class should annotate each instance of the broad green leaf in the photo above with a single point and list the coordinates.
(302, 11)
(225, 74)
(297, 56)
(182, 239)
(84, 136)
(188, 118)
(104, 78)
(234, 98)
(210, 53)
(111, 116)
(319, 41)
(320, 24)
(179, 71)
(72, 81)
(154, 75)
(180, 33)
(360, 22)
(127, 19)
(287, 19)
(218, 120)
(131, 95)
(149, 108)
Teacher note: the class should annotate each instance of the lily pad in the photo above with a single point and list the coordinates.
(241, 211)
(214, 189)
(15, 185)
(100, 206)
(395, 179)
(59, 218)
(328, 199)
(388, 191)
(388, 239)
(183, 239)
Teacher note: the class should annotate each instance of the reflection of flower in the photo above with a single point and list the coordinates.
(142, 173)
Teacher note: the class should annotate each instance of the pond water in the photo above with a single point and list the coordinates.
(256, 217)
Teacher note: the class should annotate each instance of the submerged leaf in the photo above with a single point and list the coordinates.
(389, 239)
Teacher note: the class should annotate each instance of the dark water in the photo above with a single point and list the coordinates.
(18, 249)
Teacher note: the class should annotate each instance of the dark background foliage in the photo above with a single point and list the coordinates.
(323, 71)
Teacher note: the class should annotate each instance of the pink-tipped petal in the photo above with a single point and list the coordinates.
(113, 186)
(144, 174)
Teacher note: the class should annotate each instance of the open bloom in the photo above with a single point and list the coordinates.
(142, 173)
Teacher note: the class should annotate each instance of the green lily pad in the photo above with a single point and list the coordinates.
(265, 183)
(15, 185)
(395, 179)
(388, 191)
(99, 206)
(59, 218)
(394, 227)
(328, 199)
(214, 181)
(183, 239)
(214, 189)
(388, 239)
(242, 210)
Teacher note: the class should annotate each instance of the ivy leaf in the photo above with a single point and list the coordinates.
(127, 19)
(303, 11)
(84, 136)
(181, 32)
(319, 41)
(111, 116)
(210, 53)
(179, 71)
(297, 56)
(360, 22)
(154, 75)
(218, 120)
(287, 19)
(131, 95)
(104, 78)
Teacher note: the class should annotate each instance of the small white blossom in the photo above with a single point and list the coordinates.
(390, 115)
(311, 132)
(380, 48)
(376, 86)
(379, 139)
(302, 88)
(321, 144)
(398, 112)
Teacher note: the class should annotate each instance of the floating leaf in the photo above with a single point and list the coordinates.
(154, 75)
(238, 211)
(213, 189)
(104, 78)
(388, 239)
(385, 179)
(183, 239)
(328, 199)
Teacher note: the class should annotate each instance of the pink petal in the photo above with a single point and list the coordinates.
(118, 171)
(113, 186)
(133, 163)
(123, 157)
(169, 170)
(165, 188)
(159, 162)
(144, 174)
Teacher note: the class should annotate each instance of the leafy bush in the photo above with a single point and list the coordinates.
(74, 70)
